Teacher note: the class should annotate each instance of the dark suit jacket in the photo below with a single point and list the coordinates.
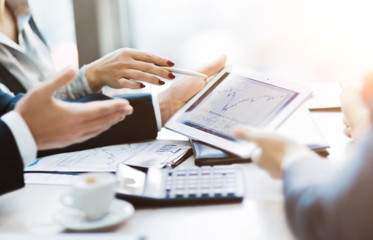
(141, 125)
(11, 166)
(325, 203)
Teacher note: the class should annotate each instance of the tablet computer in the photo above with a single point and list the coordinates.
(233, 97)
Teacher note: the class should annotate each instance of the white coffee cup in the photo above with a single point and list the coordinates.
(91, 194)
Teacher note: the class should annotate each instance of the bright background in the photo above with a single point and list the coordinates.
(319, 40)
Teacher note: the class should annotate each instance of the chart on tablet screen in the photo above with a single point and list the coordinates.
(237, 100)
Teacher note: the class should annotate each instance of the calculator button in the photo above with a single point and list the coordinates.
(202, 182)
(231, 195)
(180, 195)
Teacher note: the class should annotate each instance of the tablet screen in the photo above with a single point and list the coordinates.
(233, 100)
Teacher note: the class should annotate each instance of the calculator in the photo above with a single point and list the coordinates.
(155, 187)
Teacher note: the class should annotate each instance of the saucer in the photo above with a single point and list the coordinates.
(71, 219)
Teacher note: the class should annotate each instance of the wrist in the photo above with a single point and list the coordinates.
(92, 78)
(165, 107)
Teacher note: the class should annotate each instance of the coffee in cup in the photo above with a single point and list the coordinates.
(92, 194)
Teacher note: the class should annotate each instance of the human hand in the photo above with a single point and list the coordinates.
(182, 89)
(55, 123)
(355, 113)
(273, 148)
(117, 68)
(367, 95)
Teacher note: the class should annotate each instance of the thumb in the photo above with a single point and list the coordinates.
(62, 79)
(214, 67)
(248, 133)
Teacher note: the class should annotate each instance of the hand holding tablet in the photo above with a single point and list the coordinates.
(234, 97)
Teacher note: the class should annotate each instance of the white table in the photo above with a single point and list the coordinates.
(260, 216)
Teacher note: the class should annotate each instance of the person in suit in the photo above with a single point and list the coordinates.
(26, 61)
(321, 201)
(38, 121)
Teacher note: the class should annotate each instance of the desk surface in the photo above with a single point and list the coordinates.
(260, 216)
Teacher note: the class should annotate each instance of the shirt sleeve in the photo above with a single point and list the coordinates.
(326, 202)
(78, 88)
(22, 135)
(296, 156)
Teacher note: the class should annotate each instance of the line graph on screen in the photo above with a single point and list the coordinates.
(242, 102)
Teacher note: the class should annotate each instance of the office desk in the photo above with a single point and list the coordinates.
(259, 216)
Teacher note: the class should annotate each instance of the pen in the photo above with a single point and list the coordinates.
(185, 72)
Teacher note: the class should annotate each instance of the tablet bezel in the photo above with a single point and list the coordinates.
(238, 147)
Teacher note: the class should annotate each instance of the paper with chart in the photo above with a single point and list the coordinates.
(157, 153)
(238, 100)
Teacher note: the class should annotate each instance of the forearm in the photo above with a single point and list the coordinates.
(139, 126)
(322, 203)
(304, 184)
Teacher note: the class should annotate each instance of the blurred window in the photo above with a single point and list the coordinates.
(296, 40)
(56, 22)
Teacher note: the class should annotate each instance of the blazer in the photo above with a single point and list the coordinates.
(325, 203)
(141, 125)
(11, 170)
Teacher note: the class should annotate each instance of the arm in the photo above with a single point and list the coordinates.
(142, 124)
(11, 170)
(8, 102)
(49, 123)
(322, 203)
(139, 126)
(117, 70)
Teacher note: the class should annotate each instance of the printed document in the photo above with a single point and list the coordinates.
(156, 153)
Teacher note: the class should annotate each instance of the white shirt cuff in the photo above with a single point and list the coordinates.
(157, 111)
(22, 135)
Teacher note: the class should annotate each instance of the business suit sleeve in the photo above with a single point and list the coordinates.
(139, 126)
(8, 102)
(325, 203)
(11, 170)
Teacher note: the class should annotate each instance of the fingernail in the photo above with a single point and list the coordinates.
(170, 63)
(161, 82)
(171, 75)
(142, 85)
